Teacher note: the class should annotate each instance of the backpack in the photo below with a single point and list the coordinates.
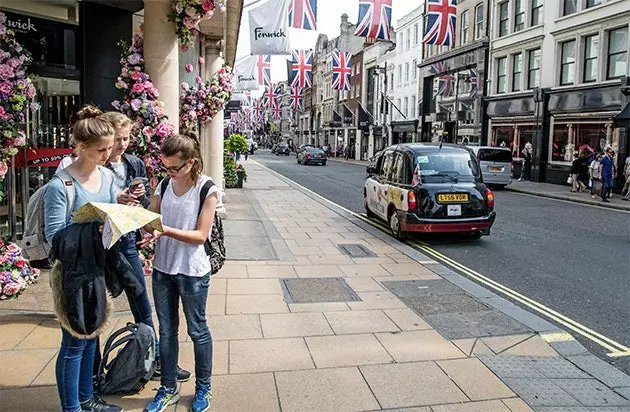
(134, 364)
(34, 244)
(215, 243)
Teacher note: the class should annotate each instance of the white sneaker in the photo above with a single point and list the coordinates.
(593, 196)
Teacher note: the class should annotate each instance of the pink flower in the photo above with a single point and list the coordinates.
(198, 79)
(188, 22)
(3, 169)
(6, 72)
(207, 5)
(6, 87)
(201, 61)
(148, 131)
(13, 248)
(164, 130)
(20, 140)
(137, 88)
(14, 63)
(136, 75)
(30, 92)
(1, 241)
(11, 289)
(185, 86)
(189, 68)
(159, 112)
(20, 263)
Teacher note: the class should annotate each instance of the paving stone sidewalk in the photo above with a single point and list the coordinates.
(315, 312)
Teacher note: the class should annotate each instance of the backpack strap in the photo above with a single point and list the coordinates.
(110, 345)
(68, 185)
(164, 186)
(203, 193)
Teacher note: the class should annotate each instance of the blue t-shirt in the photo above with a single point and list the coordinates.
(55, 202)
(607, 165)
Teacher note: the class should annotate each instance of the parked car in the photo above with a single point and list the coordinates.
(429, 188)
(282, 148)
(312, 155)
(495, 164)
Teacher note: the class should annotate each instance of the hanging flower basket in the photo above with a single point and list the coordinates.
(16, 273)
(187, 14)
(16, 96)
(201, 102)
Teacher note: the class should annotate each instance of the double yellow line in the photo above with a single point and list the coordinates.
(615, 349)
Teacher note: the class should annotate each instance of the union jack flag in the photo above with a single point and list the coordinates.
(297, 102)
(375, 19)
(473, 82)
(441, 22)
(270, 96)
(277, 107)
(259, 111)
(302, 68)
(263, 65)
(303, 14)
(341, 68)
(446, 81)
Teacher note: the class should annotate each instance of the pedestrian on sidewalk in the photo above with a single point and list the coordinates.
(608, 171)
(580, 170)
(595, 172)
(526, 170)
(626, 174)
(182, 268)
(126, 168)
(94, 138)
(346, 152)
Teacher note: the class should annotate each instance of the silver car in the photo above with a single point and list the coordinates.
(495, 164)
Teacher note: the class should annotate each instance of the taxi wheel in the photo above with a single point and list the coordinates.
(394, 225)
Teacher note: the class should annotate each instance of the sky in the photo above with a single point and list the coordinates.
(328, 20)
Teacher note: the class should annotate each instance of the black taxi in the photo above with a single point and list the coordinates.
(430, 188)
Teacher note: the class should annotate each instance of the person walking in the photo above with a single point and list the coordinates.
(182, 268)
(526, 170)
(94, 138)
(595, 173)
(608, 171)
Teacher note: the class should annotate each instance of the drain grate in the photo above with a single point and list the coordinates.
(318, 290)
(355, 250)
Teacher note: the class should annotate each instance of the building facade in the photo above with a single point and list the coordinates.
(558, 74)
(453, 80)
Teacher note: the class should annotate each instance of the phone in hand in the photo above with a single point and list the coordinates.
(138, 181)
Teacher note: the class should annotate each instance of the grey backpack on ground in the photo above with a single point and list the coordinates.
(33, 243)
(134, 364)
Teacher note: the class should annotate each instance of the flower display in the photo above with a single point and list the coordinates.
(16, 95)
(16, 273)
(141, 104)
(187, 14)
(200, 102)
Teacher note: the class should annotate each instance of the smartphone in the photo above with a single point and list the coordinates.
(138, 181)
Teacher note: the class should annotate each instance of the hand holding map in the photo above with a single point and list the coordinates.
(118, 219)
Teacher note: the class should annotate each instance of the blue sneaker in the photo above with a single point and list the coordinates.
(164, 398)
(201, 403)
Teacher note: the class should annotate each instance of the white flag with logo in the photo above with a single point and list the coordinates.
(269, 28)
(245, 73)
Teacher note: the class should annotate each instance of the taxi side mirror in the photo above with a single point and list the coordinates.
(371, 170)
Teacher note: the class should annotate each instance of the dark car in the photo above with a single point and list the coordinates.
(429, 188)
(282, 148)
(301, 148)
(312, 155)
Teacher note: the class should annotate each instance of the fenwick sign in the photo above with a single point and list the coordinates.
(268, 28)
(260, 34)
(21, 26)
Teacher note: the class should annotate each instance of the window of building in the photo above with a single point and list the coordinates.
(407, 71)
(567, 63)
(617, 52)
(414, 110)
(400, 78)
(415, 69)
(519, 15)
(465, 17)
(397, 105)
(570, 7)
(517, 69)
(400, 40)
(501, 74)
(537, 12)
(593, 3)
(533, 69)
(416, 34)
(568, 136)
(503, 19)
(479, 21)
(406, 107)
(591, 44)
(392, 80)
(408, 40)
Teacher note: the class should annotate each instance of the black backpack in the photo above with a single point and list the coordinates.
(215, 244)
(133, 365)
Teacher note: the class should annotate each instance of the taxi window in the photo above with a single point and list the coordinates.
(386, 165)
(453, 164)
(402, 172)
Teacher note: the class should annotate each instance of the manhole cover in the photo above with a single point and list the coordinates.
(355, 250)
(474, 324)
(316, 290)
(433, 304)
(416, 288)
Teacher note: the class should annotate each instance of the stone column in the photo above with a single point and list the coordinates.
(212, 133)
(161, 55)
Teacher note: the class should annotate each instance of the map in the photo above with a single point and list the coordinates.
(118, 219)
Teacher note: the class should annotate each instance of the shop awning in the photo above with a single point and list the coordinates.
(622, 119)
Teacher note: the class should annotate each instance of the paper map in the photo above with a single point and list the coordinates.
(118, 219)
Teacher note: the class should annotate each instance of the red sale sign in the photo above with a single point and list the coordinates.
(41, 157)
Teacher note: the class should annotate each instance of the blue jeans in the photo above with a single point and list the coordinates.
(607, 185)
(193, 291)
(74, 371)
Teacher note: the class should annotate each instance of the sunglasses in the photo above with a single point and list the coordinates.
(174, 169)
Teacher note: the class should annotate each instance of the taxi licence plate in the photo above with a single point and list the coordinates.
(453, 197)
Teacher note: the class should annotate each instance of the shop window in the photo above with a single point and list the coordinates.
(501, 74)
(519, 15)
(533, 69)
(593, 3)
(479, 21)
(537, 12)
(617, 52)
(591, 45)
(569, 138)
(465, 18)
(503, 18)
(517, 69)
(570, 7)
(567, 62)
(513, 137)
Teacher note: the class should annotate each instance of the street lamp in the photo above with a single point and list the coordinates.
(377, 72)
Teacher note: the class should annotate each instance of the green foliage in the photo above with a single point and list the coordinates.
(236, 143)
(229, 171)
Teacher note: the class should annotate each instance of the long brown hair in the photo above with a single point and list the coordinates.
(90, 127)
(186, 145)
